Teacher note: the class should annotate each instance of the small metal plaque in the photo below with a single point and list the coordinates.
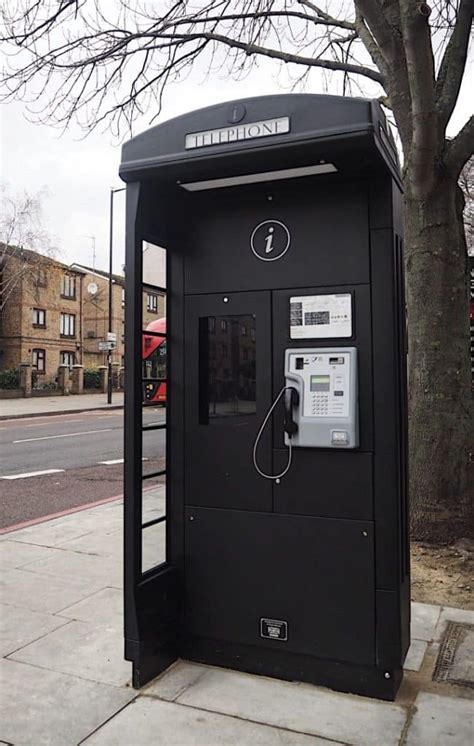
(274, 629)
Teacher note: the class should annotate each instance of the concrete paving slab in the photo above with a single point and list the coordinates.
(424, 618)
(147, 721)
(29, 590)
(81, 649)
(104, 571)
(451, 614)
(439, 721)
(104, 607)
(49, 533)
(415, 655)
(296, 707)
(17, 553)
(19, 627)
(44, 707)
(103, 543)
(175, 680)
(95, 519)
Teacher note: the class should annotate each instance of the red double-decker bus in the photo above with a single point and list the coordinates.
(154, 363)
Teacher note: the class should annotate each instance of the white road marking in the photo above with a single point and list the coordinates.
(33, 474)
(116, 461)
(65, 435)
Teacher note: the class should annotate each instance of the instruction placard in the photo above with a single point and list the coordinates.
(321, 316)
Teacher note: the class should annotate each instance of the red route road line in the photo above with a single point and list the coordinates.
(68, 511)
(22, 420)
(60, 514)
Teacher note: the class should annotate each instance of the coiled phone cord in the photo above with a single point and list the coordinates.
(259, 435)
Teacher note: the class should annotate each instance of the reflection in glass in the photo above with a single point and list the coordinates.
(153, 546)
(228, 362)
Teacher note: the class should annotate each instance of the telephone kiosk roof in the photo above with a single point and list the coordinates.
(263, 133)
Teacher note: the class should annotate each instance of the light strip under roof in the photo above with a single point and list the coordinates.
(286, 173)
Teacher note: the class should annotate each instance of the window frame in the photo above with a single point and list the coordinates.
(41, 279)
(34, 352)
(152, 307)
(68, 281)
(63, 325)
(67, 352)
(35, 311)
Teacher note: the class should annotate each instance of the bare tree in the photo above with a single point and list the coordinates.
(99, 66)
(25, 246)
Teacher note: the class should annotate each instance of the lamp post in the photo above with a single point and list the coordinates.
(111, 246)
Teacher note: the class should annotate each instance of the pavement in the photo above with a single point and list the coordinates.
(41, 405)
(64, 681)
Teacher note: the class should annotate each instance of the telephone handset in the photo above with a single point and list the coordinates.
(292, 399)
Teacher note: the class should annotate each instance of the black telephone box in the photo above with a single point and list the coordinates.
(282, 221)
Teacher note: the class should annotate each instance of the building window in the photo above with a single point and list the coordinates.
(123, 297)
(68, 286)
(212, 325)
(67, 358)
(39, 317)
(152, 302)
(223, 325)
(41, 279)
(244, 331)
(39, 360)
(68, 325)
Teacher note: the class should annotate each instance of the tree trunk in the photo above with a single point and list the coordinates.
(440, 399)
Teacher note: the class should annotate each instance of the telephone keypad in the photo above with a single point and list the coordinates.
(319, 405)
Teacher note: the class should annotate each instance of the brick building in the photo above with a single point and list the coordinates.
(58, 314)
(96, 313)
(41, 317)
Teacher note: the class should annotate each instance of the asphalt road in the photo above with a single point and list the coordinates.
(71, 449)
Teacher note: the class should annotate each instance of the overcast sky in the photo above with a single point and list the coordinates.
(79, 172)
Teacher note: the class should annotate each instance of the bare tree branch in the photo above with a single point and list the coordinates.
(452, 66)
(461, 148)
(132, 52)
(384, 24)
(421, 78)
(21, 227)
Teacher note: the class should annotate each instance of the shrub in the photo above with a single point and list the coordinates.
(10, 378)
(91, 378)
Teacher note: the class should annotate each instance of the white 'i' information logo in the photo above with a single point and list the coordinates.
(270, 240)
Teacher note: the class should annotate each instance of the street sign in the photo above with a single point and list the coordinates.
(105, 346)
(111, 337)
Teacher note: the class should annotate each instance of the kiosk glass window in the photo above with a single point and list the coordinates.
(228, 367)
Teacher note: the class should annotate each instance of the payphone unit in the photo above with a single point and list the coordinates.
(326, 382)
(286, 517)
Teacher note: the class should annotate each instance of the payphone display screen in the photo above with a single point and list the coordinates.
(230, 366)
(320, 383)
